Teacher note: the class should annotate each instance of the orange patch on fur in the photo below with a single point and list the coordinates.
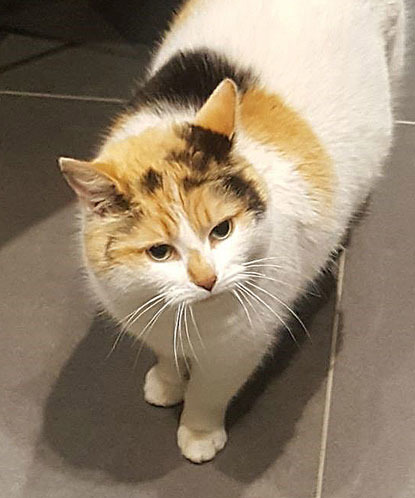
(205, 208)
(199, 270)
(130, 158)
(270, 121)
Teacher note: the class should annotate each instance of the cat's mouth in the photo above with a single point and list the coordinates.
(211, 296)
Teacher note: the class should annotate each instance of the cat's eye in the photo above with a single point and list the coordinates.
(161, 252)
(221, 231)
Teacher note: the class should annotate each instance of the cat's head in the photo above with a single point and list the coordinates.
(174, 209)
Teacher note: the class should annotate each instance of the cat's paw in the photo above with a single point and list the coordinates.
(200, 446)
(159, 392)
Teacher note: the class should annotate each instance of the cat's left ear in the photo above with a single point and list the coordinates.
(218, 114)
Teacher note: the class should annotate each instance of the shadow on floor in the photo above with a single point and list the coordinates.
(95, 417)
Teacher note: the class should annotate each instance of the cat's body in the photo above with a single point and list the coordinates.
(295, 157)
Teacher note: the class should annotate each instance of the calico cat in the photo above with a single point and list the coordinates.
(229, 180)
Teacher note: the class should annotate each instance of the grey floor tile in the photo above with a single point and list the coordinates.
(59, 19)
(44, 313)
(34, 133)
(79, 71)
(121, 48)
(98, 20)
(17, 48)
(372, 433)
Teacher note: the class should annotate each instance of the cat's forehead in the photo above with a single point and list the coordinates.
(176, 150)
(182, 170)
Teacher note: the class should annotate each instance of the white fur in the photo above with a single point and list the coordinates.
(332, 61)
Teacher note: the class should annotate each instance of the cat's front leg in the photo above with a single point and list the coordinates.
(164, 385)
(212, 384)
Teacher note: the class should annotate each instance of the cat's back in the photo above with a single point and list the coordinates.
(325, 58)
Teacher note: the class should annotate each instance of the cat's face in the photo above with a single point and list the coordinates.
(173, 210)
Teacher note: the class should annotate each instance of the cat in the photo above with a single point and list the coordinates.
(230, 179)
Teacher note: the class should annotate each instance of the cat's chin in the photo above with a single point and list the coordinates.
(210, 297)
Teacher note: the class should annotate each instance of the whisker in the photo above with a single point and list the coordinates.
(138, 314)
(271, 310)
(248, 300)
(148, 304)
(182, 306)
(285, 306)
(269, 265)
(196, 327)
(236, 294)
(153, 320)
(272, 279)
(186, 328)
(133, 313)
(262, 259)
(272, 267)
(148, 328)
(176, 359)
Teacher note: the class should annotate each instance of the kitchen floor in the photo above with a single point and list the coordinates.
(332, 419)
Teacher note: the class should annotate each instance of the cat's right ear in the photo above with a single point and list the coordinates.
(94, 189)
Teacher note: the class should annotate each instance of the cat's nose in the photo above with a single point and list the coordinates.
(208, 283)
(200, 271)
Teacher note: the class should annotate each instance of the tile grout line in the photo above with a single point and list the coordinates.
(35, 57)
(330, 377)
(411, 123)
(59, 96)
(111, 100)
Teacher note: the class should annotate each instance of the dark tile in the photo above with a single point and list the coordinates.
(16, 48)
(44, 314)
(371, 438)
(142, 21)
(59, 19)
(121, 49)
(34, 134)
(96, 20)
(78, 71)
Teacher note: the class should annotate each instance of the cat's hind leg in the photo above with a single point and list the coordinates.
(164, 385)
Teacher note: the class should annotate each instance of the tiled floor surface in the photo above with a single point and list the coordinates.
(335, 419)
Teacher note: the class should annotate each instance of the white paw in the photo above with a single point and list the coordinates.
(160, 392)
(200, 446)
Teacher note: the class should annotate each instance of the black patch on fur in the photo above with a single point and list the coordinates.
(202, 147)
(151, 180)
(243, 189)
(183, 156)
(188, 79)
(108, 245)
(113, 203)
(190, 182)
(120, 202)
(193, 159)
(213, 145)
